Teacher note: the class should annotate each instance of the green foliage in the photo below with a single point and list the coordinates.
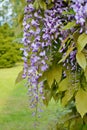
(53, 73)
(82, 42)
(69, 25)
(63, 84)
(40, 4)
(81, 105)
(67, 54)
(57, 122)
(51, 77)
(81, 59)
(70, 12)
(43, 4)
(9, 50)
(73, 87)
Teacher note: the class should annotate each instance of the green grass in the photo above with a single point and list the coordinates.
(15, 113)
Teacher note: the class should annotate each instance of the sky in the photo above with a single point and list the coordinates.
(6, 12)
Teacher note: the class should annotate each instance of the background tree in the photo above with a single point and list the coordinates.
(10, 52)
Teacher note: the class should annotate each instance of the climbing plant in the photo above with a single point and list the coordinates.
(55, 57)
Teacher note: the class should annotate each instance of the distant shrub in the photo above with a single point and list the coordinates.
(9, 50)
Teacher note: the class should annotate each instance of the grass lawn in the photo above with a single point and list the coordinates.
(14, 108)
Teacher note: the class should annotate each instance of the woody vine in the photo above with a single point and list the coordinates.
(55, 53)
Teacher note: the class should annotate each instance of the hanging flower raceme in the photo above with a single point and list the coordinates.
(34, 53)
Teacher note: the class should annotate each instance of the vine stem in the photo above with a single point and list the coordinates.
(72, 117)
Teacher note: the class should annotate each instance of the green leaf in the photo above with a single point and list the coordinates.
(70, 12)
(19, 77)
(63, 85)
(53, 73)
(75, 36)
(82, 41)
(69, 25)
(67, 54)
(81, 102)
(83, 82)
(81, 59)
(54, 89)
(36, 4)
(43, 5)
(71, 89)
(68, 95)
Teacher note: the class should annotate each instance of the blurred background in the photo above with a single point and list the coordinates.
(10, 32)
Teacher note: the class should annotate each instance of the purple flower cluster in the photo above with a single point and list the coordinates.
(34, 53)
(53, 21)
(80, 9)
